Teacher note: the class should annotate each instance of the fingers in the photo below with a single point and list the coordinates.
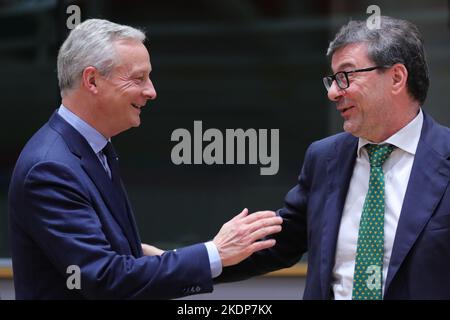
(255, 226)
(241, 215)
(238, 238)
(258, 216)
(263, 232)
(261, 245)
(263, 223)
(248, 251)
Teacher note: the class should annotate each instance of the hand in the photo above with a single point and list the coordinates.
(237, 239)
(151, 250)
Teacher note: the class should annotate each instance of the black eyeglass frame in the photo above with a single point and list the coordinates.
(346, 73)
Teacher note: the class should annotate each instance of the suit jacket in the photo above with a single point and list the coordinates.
(65, 210)
(420, 262)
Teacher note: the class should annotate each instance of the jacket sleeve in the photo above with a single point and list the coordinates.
(59, 216)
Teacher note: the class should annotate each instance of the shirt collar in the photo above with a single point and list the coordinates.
(407, 138)
(95, 139)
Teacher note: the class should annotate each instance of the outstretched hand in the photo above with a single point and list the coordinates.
(237, 239)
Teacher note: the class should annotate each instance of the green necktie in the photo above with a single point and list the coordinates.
(367, 279)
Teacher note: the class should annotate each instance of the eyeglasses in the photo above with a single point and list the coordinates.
(341, 77)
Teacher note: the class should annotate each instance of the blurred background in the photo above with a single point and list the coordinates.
(228, 63)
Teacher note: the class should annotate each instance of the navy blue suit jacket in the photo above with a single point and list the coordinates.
(64, 210)
(420, 262)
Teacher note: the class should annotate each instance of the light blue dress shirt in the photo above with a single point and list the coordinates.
(95, 139)
(97, 142)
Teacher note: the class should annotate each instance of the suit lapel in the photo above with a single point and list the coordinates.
(340, 165)
(134, 228)
(120, 189)
(429, 178)
(92, 166)
(111, 196)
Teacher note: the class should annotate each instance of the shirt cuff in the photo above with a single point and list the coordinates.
(214, 259)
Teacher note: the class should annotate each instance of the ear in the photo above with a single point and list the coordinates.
(399, 78)
(89, 78)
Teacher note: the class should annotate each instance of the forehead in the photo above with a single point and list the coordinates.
(350, 56)
(132, 55)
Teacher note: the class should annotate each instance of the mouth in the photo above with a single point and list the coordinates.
(344, 110)
(136, 106)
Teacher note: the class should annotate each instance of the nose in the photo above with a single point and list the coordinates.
(334, 93)
(149, 91)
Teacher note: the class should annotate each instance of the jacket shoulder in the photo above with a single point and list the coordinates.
(45, 146)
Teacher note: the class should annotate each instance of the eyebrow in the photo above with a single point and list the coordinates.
(140, 72)
(345, 65)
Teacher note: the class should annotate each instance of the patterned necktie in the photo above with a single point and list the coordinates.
(367, 279)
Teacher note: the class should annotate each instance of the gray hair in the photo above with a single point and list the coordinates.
(91, 43)
(396, 41)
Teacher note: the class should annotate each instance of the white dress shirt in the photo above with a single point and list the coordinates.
(97, 142)
(397, 169)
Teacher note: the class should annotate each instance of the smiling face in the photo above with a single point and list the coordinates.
(123, 93)
(365, 105)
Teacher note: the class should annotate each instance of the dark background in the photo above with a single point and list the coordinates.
(229, 63)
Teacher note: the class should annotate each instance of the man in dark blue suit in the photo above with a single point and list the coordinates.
(372, 205)
(73, 232)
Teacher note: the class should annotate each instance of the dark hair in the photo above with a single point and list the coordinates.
(396, 41)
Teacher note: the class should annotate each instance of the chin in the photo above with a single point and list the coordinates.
(350, 128)
(347, 127)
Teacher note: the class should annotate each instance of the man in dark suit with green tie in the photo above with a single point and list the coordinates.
(372, 204)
